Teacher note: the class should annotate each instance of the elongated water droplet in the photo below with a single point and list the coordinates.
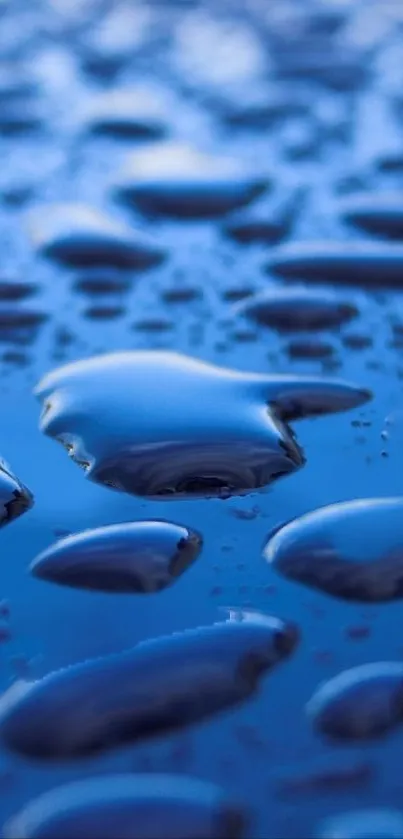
(293, 309)
(363, 703)
(79, 235)
(360, 263)
(175, 180)
(159, 686)
(143, 556)
(133, 806)
(352, 550)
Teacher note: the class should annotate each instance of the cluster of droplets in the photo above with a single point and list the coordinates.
(160, 425)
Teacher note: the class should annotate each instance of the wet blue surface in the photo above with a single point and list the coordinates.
(348, 98)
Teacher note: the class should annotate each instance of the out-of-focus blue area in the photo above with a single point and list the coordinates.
(327, 79)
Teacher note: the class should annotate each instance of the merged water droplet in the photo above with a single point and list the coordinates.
(133, 806)
(160, 424)
(79, 235)
(376, 212)
(142, 556)
(363, 703)
(15, 498)
(175, 180)
(293, 309)
(159, 686)
(352, 550)
(363, 824)
(361, 263)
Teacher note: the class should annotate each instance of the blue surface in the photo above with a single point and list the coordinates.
(250, 750)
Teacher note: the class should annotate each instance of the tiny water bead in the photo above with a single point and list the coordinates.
(160, 424)
(79, 235)
(15, 498)
(143, 556)
(295, 309)
(176, 180)
(363, 703)
(159, 686)
(360, 263)
(131, 806)
(352, 550)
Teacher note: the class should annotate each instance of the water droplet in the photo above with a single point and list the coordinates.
(11, 290)
(160, 424)
(392, 162)
(328, 776)
(20, 318)
(20, 116)
(358, 632)
(143, 556)
(258, 225)
(103, 312)
(293, 309)
(20, 359)
(361, 263)
(375, 212)
(127, 113)
(102, 281)
(134, 806)
(15, 498)
(181, 294)
(161, 685)
(157, 324)
(175, 180)
(363, 824)
(309, 349)
(79, 235)
(363, 703)
(352, 550)
(357, 341)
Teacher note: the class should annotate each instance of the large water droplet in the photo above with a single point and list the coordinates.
(79, 235)
(361, 263)
(161, 424)
(175, 180)
(133, 806)
(363, 703)
(143, 556)
(293, 309)
(376, 212)
(128, 113)
(159, 686)
(352, 550)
